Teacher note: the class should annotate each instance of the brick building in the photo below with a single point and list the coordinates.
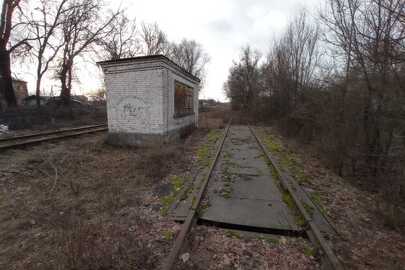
(149, 99)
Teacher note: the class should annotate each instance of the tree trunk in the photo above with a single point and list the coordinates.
(65, 91)
(38, 91)
(6, 81)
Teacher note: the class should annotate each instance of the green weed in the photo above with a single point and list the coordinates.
(310, 209)
(268, 239)
(168, 235)
(288, 160)
(203, 155)
(288, 200)
(177, 184)
(310, 251)
(316, 199)
(214, 135)
(233, 234)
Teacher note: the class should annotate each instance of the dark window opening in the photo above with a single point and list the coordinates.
(183, 100)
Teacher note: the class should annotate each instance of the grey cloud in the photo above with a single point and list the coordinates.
(222, 26)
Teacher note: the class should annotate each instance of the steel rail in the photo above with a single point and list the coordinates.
(31, 139)
(315, 235)
(193, 213)
(58, 131)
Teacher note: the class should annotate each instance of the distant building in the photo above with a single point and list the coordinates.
(31, 101)
(206, 103)
(20, 90)
(81, 98)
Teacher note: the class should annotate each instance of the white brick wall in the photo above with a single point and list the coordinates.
(140, 97)
(135, 101)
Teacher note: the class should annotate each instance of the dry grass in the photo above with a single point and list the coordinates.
(364, 240)
(81, 204)
(215, 118)
(217, 249)
(100, 246)
(156, 163)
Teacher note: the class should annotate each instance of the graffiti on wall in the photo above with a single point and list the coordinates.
(133, 109)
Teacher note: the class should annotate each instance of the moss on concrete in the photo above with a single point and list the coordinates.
(309, 209)
(288, 160)
(316, 199)
(227, 178)
(288, 200)
(214, 136)
(177, 184)
(203, 154)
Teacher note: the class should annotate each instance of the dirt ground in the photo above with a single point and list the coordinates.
(219, 249)
(82, 204)
(364, 240)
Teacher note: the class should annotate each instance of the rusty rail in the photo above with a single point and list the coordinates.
(193, 213)
(35, 138)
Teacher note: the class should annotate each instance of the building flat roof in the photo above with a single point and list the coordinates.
(18, 80)
(149, 57)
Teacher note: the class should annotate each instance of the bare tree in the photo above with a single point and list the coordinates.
(372, 35)
(122, 41)
(13, 37)
(302, 38)
(191, 56)
(154, 39)
(243, 85)
(291, 64)
(82, 26)
(44, 24)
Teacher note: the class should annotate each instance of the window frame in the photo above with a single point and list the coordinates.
(187, 100)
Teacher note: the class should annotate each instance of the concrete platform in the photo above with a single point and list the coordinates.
(242, 190)
(139, 139)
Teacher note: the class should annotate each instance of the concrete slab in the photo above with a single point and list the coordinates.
(249, 212)
(242, 190)
(255, 187)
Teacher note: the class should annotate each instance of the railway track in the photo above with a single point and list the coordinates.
(328, 258)
(35, 138)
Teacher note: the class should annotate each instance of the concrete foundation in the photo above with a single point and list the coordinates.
(139, 139)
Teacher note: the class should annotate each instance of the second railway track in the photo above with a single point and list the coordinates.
(39, 137)
(313, 233)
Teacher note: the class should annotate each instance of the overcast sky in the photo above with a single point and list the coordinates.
(221, 26)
